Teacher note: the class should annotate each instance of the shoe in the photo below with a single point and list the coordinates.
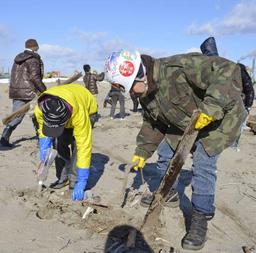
(172, 199)
(59, 184)
(122, 118)
(196, 236)
(6, 143)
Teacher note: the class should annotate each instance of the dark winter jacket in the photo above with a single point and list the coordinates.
(26, 76)
(90, 81)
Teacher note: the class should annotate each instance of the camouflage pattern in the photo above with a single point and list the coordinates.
(187, 82)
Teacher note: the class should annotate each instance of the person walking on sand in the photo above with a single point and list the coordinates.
(170, 89)
(63, 112)
(116, 95)
(26, 81)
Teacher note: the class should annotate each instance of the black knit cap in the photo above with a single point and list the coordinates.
(31, 43)
(55, 115)
(87, 68)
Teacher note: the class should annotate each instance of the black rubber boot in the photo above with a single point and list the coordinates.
(196, 236)
(172, 199)
(6, 136)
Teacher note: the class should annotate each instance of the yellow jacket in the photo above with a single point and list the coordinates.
(84, 104)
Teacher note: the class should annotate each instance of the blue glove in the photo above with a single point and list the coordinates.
(81, 182)
(44, 144)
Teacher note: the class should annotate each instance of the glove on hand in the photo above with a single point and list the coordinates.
(139, 161)
(203, 120)
(81, 182)
(44, 144)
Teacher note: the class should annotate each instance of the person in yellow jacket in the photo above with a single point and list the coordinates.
(63, 112)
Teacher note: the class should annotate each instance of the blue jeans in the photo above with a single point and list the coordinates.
(17, 104)
(203, 175)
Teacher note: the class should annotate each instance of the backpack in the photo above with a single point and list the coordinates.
(247, 87)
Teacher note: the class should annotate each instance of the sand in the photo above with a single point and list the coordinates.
(50, 222)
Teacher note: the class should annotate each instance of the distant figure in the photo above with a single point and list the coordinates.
(116, 95)
(90, 79)
(26, 82)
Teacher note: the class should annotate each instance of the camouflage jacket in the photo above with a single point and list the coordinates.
(182, 83)
(90, 81)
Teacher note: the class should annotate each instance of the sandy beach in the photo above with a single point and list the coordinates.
(49, 222)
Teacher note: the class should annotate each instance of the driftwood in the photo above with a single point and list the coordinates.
(21, 111)
(251, 122)
(30, 105)
(73, 78)
(151, 218)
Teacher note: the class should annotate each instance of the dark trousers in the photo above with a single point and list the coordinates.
(66, 160)
(115, 98)
(135, 102)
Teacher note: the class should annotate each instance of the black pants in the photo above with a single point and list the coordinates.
(66, 160)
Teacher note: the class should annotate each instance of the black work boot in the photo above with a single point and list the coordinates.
(6, 136)
(171, 201)
(196, 235)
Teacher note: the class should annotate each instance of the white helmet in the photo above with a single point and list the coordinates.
(122, 67)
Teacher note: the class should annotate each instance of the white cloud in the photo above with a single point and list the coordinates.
(240, 20)
(60, 58)
(89, 37)
(52, 51)
(251, 54)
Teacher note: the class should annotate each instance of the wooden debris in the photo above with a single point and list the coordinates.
(248, 250)
(87, 212)
(251, 122)
(151, 218)
(30, 105)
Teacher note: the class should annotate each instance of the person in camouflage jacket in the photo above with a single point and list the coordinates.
(90, 79)
(170, 89)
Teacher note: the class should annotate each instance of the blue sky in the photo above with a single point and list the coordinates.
(72, 33)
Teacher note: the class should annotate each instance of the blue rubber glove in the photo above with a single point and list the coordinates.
(81, 182)
(44, 144)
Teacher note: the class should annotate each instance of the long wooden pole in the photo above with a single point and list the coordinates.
(28, 106)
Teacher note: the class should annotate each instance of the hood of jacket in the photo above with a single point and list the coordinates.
(24, 56)
(149, 62)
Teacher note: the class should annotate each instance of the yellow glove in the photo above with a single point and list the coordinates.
(203, 120)
(139, 162)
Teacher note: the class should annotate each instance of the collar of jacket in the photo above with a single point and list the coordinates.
(149, 63)
(32, 53)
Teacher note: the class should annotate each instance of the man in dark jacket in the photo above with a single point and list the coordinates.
(26, 81)
(170, 89)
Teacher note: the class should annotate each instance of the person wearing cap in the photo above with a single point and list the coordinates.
(63, 112)
(90, 79)
(26, 81)
(170, 89)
